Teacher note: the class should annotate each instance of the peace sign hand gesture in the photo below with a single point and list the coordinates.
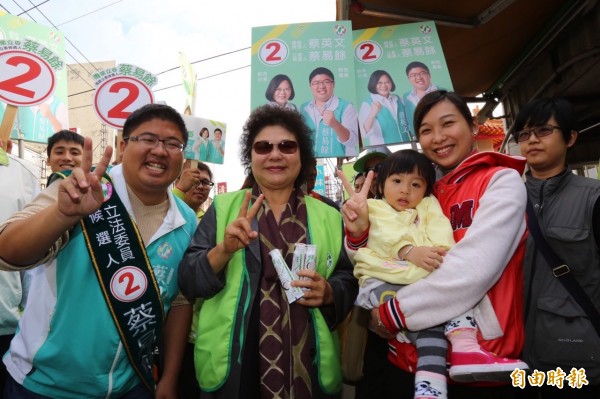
(239, 233)
(355, 211)
(80, 194)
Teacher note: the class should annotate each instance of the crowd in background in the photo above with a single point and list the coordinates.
(117, 283)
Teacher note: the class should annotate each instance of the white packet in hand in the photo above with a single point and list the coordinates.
(285, 277)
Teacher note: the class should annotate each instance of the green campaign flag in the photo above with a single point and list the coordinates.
(189, 83)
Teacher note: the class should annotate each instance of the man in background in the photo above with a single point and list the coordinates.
(65, 149)
(193, 187)
(567, 208)
(370, 162)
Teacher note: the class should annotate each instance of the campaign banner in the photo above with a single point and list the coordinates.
(206, 141)
(320, 180)
(188, 75)
(309, 68)
(221, 187)
(395, 67)
(120, 90)
(37, 122)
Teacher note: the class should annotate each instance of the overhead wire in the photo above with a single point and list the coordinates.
(88, 13)
(204, 77)
(195, 62)
(170, 87)
(67, 39)
(34, 6)
(206, 59)
(66, 51)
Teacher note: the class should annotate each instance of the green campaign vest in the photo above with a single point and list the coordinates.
(214, 341)
(393, 132)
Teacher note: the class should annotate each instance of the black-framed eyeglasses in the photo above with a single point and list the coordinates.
(205, 183)
(264, 147)
(375, 168)
(150, 140)
(418, 75)
(316, 83)
(539, 131)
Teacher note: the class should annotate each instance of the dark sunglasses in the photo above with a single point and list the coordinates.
(264, 147)
(375, 169)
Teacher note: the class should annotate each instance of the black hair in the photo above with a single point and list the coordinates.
(320, 71)
(65, 135)
(406, 161)
(375, 76)
(538, 112)
(218, 130)
(416, 64)
(357, 175)
(275, 82)
(154, 111)
(204, 129)
(204, 167)
(291, 121)
(429, 100)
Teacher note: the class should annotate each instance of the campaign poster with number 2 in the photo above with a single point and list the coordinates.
(121, 90)
(395, 67)
(206, 142)
(309, 68)
(26, 75)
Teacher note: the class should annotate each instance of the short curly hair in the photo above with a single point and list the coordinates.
(291, 121)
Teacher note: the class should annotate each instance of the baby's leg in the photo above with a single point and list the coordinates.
(469, 361)
(432, 350)
(384, 292)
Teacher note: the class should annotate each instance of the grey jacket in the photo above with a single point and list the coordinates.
(554, 322)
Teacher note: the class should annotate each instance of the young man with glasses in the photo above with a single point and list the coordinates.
(332, 119)
(420, 78)
(108, 246)
(194, 185)
(567, 207)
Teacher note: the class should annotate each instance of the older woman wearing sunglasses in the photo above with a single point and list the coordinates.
(252, 342)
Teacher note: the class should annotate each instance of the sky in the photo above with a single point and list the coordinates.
(151, 33)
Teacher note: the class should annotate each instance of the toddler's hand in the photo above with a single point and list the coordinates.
(428, 258)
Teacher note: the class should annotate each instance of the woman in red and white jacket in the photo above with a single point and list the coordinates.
(483, 196)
